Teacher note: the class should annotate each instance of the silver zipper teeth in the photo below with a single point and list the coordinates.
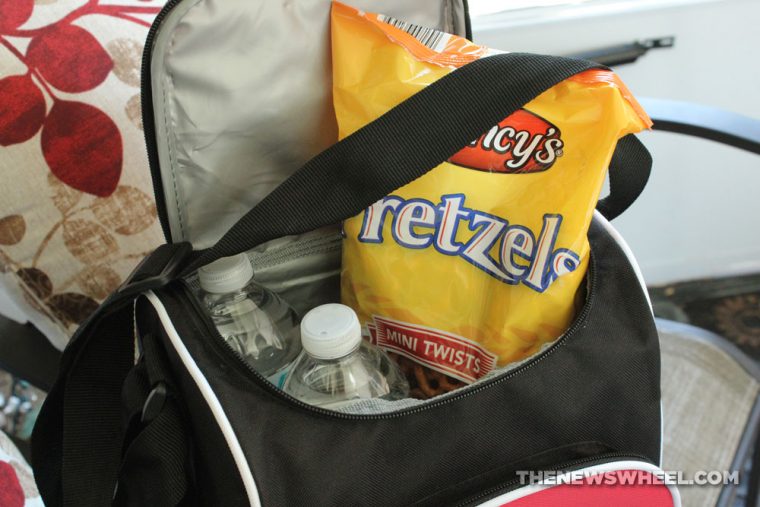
(296, 250)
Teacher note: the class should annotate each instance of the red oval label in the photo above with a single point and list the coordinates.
(521, 143)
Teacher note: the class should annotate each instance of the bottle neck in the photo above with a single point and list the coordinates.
(229, 297)
(341, 359)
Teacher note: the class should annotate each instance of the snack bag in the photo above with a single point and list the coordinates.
(477, 263)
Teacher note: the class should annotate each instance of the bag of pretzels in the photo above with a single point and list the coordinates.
(477, 264)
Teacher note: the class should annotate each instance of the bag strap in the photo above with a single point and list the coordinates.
(156, 427)
(78, 436)
(402, 145)
(629, 171)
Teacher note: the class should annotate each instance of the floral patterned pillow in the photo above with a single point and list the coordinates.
(76, 203)
(17, 487)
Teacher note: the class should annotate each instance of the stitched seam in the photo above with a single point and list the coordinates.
(170, 144)
(171, 139)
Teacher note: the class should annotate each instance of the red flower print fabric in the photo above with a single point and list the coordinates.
(76, 205)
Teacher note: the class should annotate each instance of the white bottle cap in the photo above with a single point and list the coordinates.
(227, 274)
(330, 331)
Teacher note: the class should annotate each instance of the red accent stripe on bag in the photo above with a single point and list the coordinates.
(597, 492)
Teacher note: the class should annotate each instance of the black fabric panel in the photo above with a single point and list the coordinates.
(503, 480)
(217, 480)
(600, 384)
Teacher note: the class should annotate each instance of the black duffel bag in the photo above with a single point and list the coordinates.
(152, 408)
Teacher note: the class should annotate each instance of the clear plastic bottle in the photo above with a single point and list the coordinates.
(253, 320)
(336, 366)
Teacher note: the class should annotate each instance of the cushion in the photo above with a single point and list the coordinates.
(17, 487)
(707, 399)
(76, 202)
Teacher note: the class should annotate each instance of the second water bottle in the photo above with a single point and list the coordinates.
(337, 366)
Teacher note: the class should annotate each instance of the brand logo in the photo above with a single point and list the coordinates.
(447, 353)
(510, 253)
(521, 143)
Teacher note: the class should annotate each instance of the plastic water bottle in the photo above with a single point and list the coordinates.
(336, 366)
(253, 320)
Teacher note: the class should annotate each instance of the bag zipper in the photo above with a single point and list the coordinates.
(148, 119)
(203, 320)
(508, 486)
(296, 250)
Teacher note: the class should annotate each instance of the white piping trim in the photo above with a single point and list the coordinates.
(213, 402)
(594, 470)
(662, 433)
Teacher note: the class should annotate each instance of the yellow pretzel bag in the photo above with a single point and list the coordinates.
(476, 264)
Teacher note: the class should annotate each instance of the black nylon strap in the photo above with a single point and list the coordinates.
(629, 172)
(399, 147)
(134, 392)
(77, 439)
(154, 469)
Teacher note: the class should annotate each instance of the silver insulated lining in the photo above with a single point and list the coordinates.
(242, 98)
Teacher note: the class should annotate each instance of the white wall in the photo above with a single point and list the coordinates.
(700, 214)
